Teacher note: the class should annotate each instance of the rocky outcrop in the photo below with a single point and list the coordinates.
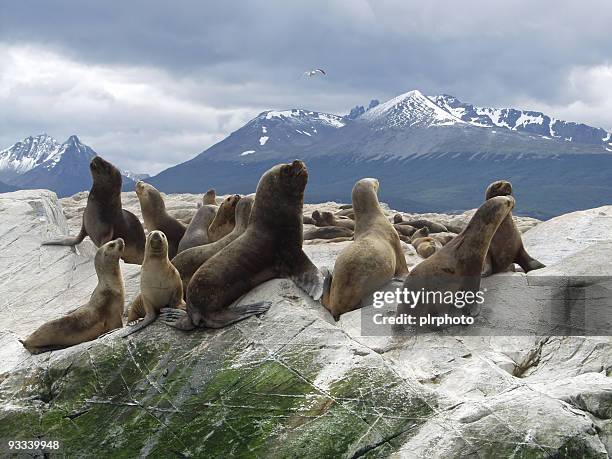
(292, 383)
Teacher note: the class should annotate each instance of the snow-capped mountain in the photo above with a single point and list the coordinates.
(430, 153)
(43, 162)
(524, 121)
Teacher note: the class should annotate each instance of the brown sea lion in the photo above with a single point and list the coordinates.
(187, 262)
(318, 221)
(271, 247)
(371, 261)
(156, 218)
(424, 245)
(99, 316)
(224, 221)
(327, 232)
(160, 284)
(457, 266)
(210, 197)
(330, 219)
(507, 245)
(432, 226)
(197, 231)
(104, 219)
(405, 230)
(397, 218)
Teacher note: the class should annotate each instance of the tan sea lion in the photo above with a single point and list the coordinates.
(104, 219)
(271, 247)
(457, 266)
(371, 261)
(224, 221)
(424, 245)
(156, 218)
(99, 316)
(307, 220)
(197, 231)
(210, 197)
(507, 245)
(327, 232)
(160, 284)
(330, 219)
(187, 262)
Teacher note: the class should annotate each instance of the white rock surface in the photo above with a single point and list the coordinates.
(480, 395)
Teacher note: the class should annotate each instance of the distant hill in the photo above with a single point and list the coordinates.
(430, 153)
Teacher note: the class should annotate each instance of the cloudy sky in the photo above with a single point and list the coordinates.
(152, 83)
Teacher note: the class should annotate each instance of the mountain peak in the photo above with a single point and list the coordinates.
(410, 109)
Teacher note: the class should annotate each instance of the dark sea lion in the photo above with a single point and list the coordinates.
(432, 226)
(210, 197)
(327, 232)
(160, 284)
(330, 219)
(457, 266)
(224, 221)
(197, 231)
(99, 316)
(397, 218)
(187, 262)
(507, 245)
(316, 216)
(104, 219)
(371, 261)
(156, 218)
(405, 230)
(271, 247)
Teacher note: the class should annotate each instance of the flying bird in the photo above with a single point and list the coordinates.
(314, 72)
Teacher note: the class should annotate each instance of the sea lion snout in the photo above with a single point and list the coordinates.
(156, 240)
(498, 188)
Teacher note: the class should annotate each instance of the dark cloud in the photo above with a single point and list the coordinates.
(228, 60)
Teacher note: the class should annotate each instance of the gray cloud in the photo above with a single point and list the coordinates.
(149, 83)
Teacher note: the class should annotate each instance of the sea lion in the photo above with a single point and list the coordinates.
(397, 218)
(307, 220)
(104, 219)
(197, 231)
(349, 213)
(160, 284)
(457, 266)
(345, 206)
(156, 218)
(507, 245)
(444, 238)
(330, 219)
(432, 226)
(327, 241)
(316, 216)
(424, 245)
(371, 261)
(187, 262)
(224, 221)
(270, 247)
(327, 232)
(210, 197)
(405, 230)
(101, 315)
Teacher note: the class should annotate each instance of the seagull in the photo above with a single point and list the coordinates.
(314, 72)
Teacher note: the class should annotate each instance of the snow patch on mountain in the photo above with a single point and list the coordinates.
(411, 109)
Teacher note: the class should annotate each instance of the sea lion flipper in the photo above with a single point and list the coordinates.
(176, 318)
(307, 276)
(527, 262)
(148, 319)
(327, 281)
(68, 241)
(236, 313)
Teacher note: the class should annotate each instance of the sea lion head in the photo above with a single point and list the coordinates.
(230, 203)
(280, 193)
(316, 216)
(157, 244)
(397, 218)
(365, 195)
(108, 255)
(243, 210)
(210, 197)
(104, 172)
(149, 195)
(499, 188)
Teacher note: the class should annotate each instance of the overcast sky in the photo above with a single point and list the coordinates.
(151, 83)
